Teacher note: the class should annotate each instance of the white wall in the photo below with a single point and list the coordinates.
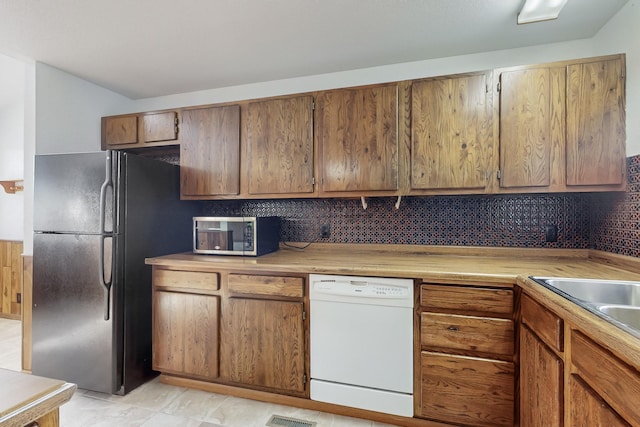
(11, 146)
(396, 72)
(68, 111)
(622, 34)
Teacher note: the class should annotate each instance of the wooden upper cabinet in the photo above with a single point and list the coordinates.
(596, 123)
(357, 130)
(120, 130)
(451, 133)
(526, 121)
(210, 152)
(279, 146)
(160, 126)
(140, 130)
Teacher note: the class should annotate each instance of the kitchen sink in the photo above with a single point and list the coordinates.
(615, 301)
(597, 291)
(628, 315)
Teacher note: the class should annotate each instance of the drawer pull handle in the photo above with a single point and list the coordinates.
(453, 328)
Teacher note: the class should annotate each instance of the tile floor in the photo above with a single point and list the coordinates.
(159, 405)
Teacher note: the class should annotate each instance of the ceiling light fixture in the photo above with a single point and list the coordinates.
(540, 10)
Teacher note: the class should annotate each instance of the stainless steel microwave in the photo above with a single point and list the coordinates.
(248, 236)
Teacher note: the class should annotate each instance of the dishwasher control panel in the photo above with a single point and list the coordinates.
(368, 288)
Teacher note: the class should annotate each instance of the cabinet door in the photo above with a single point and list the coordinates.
(541, 383)
(121, 130)
(588, 409)
(526, 120)
(467, 390)
(210, 151)
(450, 133)
(280, 146)
(596, 123)
(263, 344)
(358, 139)
(185, 334)
(160, 126)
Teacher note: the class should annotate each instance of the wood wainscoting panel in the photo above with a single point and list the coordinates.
(27, 299)
(10, 279)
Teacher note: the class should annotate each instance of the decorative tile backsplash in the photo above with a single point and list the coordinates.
(615, 219)
(507, 220)
(604, 221)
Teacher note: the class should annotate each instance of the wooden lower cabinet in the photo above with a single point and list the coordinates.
(467, 366)
(263, 344)
(467, 390)
(568, 377)
(588, 409)
(185, 334)
(541, 383)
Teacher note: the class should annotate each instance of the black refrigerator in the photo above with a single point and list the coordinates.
(97, 216)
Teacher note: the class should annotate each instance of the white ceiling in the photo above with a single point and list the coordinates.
(146, 48)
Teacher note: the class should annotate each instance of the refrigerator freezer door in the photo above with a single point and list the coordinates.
(67, 193)
(71, 339)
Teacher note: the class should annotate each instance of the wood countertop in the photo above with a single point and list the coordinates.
(429, 263)
(25, 398)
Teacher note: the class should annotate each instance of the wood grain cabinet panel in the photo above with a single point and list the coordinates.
(541, 383)
(526, 121)
(467, 300)
(357, 132)
(263, 344)
(185, 334)
(467, 390)
(120, 130)
(160, 126)
(191, 280)
(280, 156)
(266, 285)
(613, 380)
(455, 332)
(210, 152)
(547, 326)
(588, 409)
(596, 123)
(451, 132)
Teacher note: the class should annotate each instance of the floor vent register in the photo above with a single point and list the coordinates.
(280, 421)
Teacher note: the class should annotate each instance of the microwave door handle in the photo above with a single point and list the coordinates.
(108, 183)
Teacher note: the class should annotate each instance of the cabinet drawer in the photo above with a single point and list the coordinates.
(186, 279)
(482, 334)
(546, 325)
(266, 285)
(617, 382)
(467, 390)
(491, 301)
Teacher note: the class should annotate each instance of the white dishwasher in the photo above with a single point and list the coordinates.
(362, 342)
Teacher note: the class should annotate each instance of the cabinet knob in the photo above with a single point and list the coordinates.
(453, 328)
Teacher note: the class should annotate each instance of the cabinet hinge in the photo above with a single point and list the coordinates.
(499, 174)
(486, 87)
(313, 180)
(304, 379)
(177, 124)
(304, 315)
(313, 105)
(498, 88)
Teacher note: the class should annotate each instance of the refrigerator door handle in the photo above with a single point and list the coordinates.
(106, 284)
